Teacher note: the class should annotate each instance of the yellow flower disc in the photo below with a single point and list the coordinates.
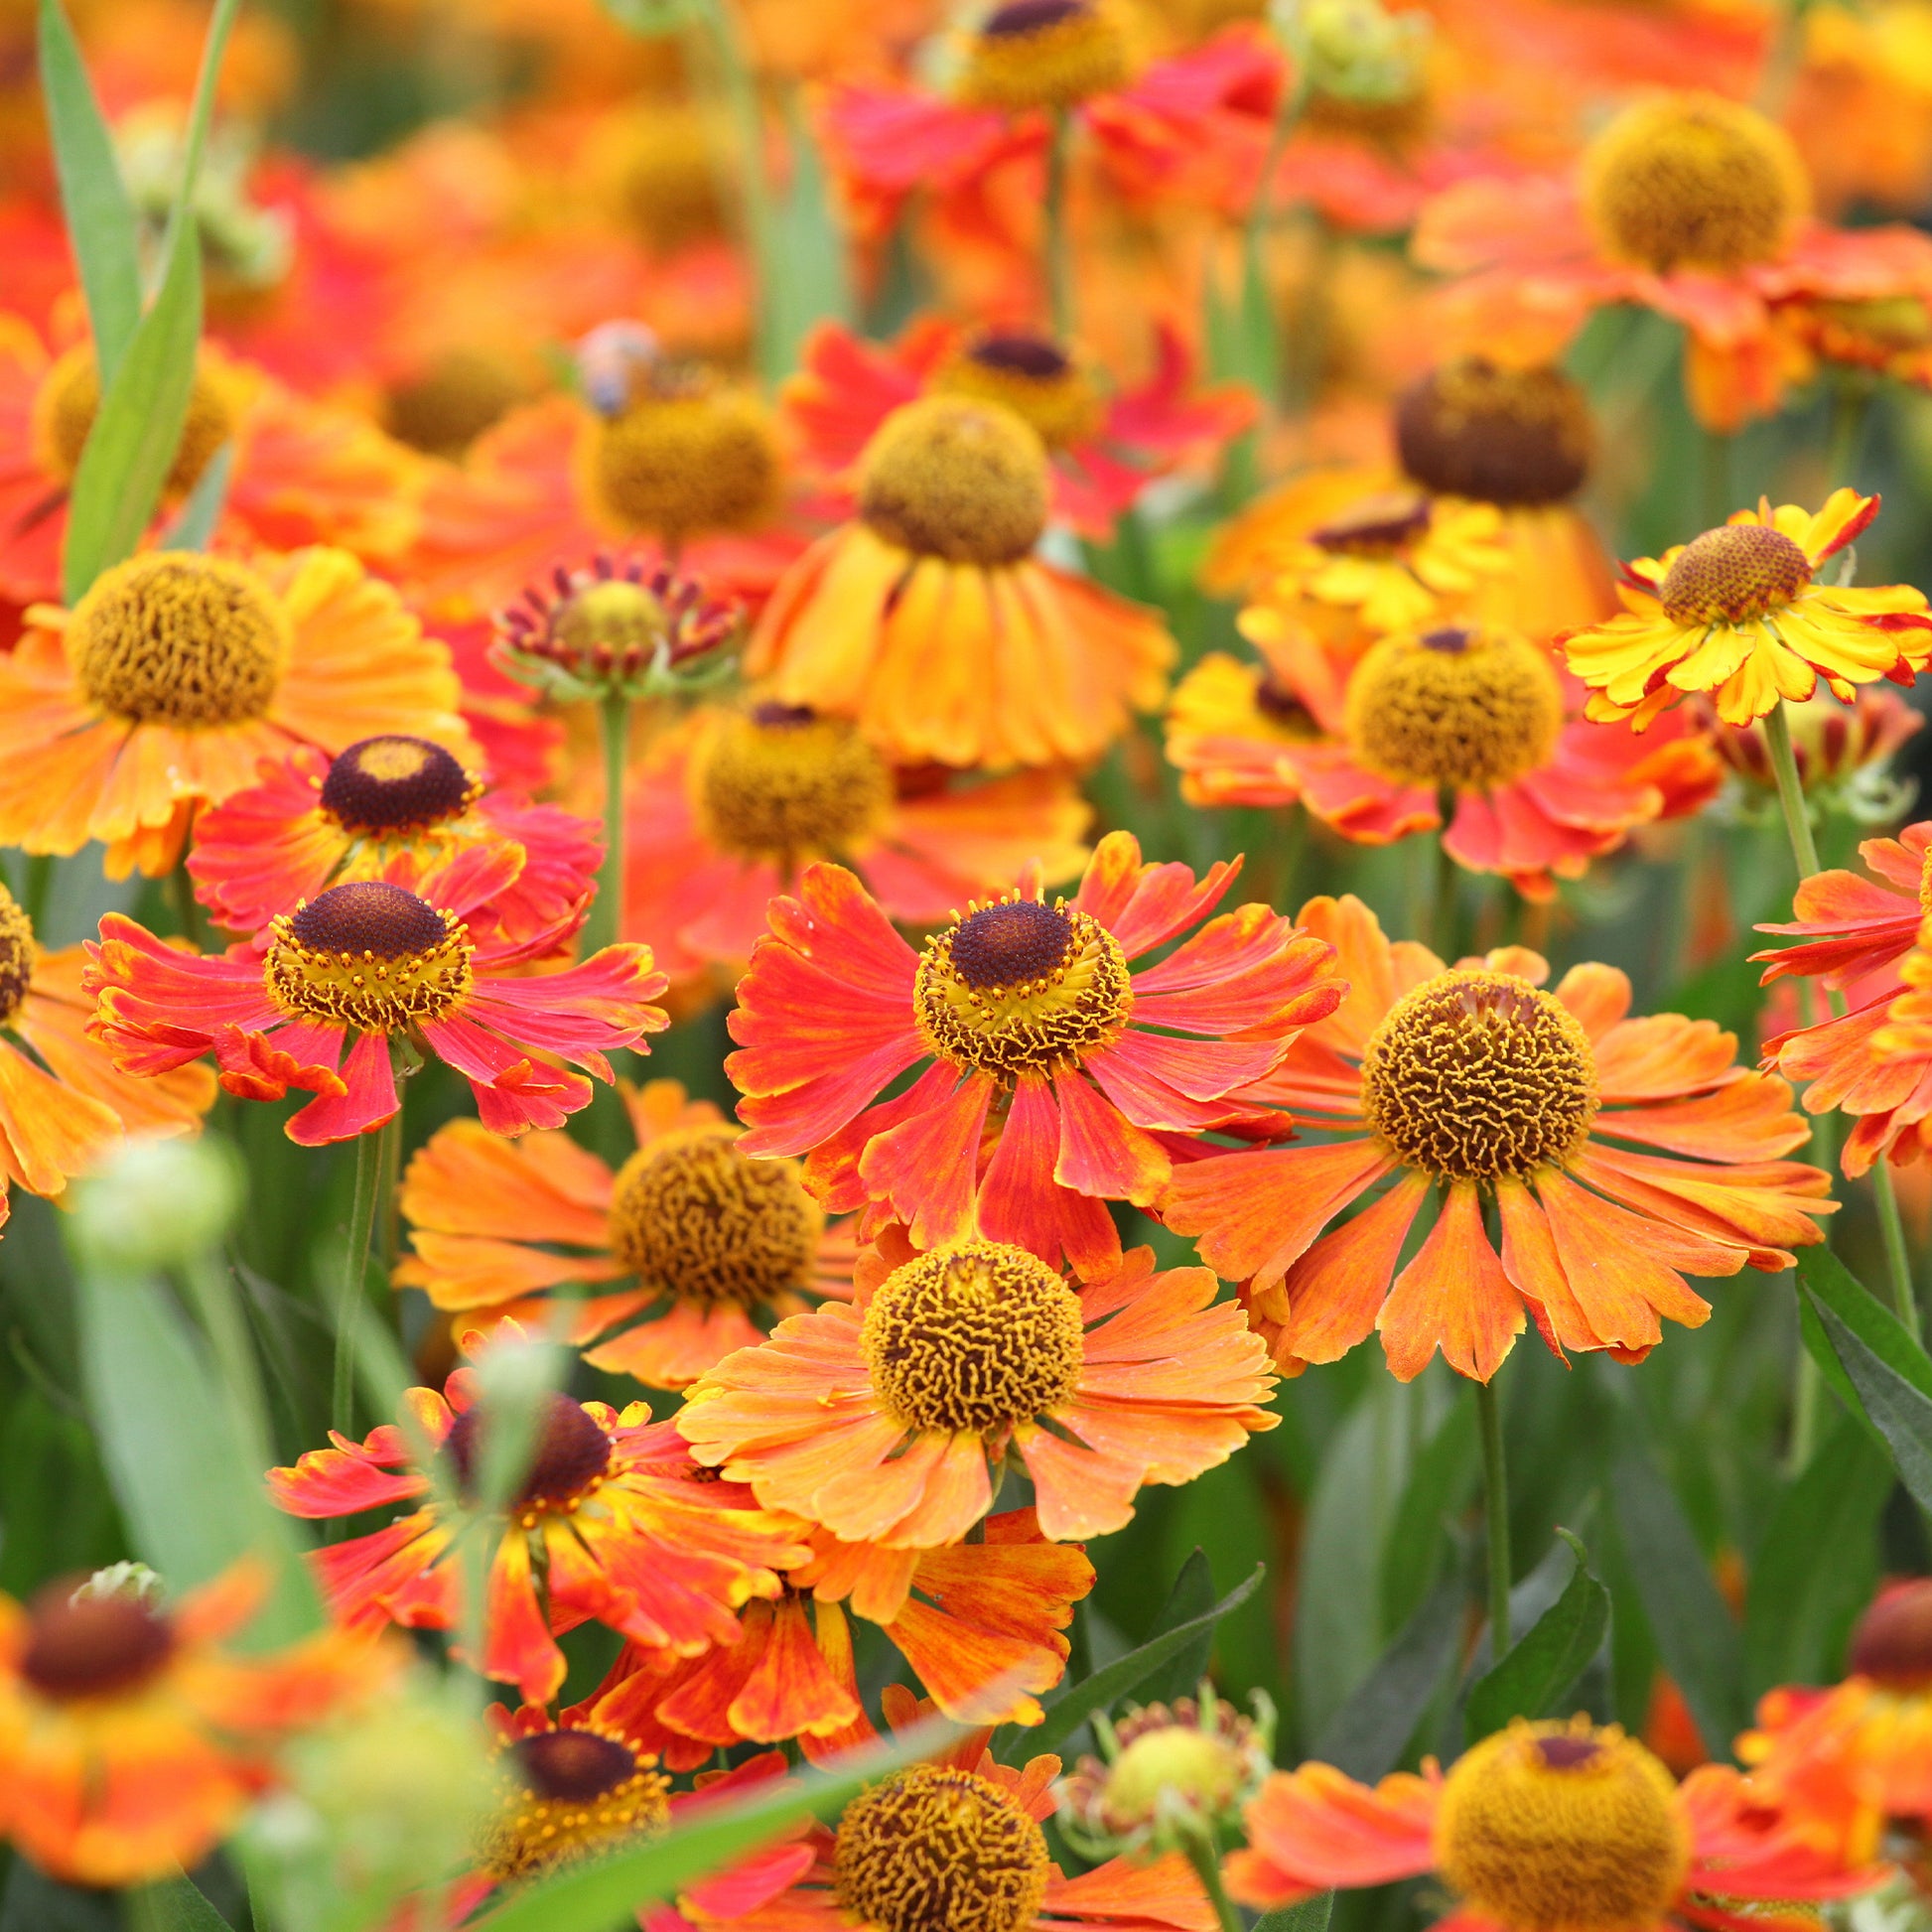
(688, 455)
(974, 1338)
(1694, 181)
(778, 782)
(958, 478)
(1733, 574)
(1463, 707)
(573, 1456)
(666, 163)
(70, 397)
(1044, 386)
(442, 409)
(1019, 986)
(568, 1794)
(175, 637)
(1045, 53)
(367, 955)
(1547, 1827)
(934, 1848)
(1478, 1077)
(17, 954)
(692, 1215)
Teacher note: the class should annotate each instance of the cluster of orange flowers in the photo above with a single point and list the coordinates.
(501, 494)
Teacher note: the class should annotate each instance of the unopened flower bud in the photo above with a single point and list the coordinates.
(1356, 50)
(1842, 748)
(157, 1203)
(133, 1581)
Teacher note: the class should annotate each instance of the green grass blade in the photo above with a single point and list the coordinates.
(100, 219)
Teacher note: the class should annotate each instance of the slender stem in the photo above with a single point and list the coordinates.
(188, 913)
(1713, 479)
(1060, 255)
(38, 885)
(1203, 1854)
(1496, 1516)
(1792, 792)
(1261, 210)
(1849, 400)
(606, 923)
(1899, 1260)
(1449, 892)
(212, 1288)
(370, 1161)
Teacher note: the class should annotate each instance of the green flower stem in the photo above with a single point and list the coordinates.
(1448, 892)
(1898, 1259)
(213, 1290)
(371, 1161)
(606, 922)
(1495, 1515)
(1203, 1854)
(1060, 255)
(1791, 790)
(188, 913)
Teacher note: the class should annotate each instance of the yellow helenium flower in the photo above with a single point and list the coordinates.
(1738, 612)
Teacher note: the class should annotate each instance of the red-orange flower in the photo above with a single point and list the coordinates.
(878, 1420)
(711, 1240)
(1472, 1085)
(364, 964)
(1105, 448)
(1856, 934)
(1056, 1078)
(133, 1735)
(614, 1516)
(1611, 1827)
(392, 807)
(729, 807)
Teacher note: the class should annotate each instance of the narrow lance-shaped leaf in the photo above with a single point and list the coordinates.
(1899, 1410)
(100, 221)
(1548, 1658)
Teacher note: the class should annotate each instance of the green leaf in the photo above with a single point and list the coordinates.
(192, 1503)
(137, 429)
(34, 1902)
(1310, 1915)
(1826, 1283)
(1366, 1736)
(1438, 1484)
(1068, 1708)
(809, 279)
(1695, 1635)
(1815, 1563)
(1898, 1409)
(1544, 1665)
(194, 527)
(604, 1896)
(1191, 1597)
(101, 226)
(172, 1905)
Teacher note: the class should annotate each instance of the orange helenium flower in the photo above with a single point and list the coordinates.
(170, 680)
(62, 1102)
(954, 1846)
(731, 807)
(1046, 1090)
(1856, 934)
(1473, 1085)
(613, 1515)
(1531, 1821)
(711, 1240)
(885, 1422)
(362, 964)
(394, 807)
(132, 1738)
(1738, 612)
(1105, 448)
(931, 621)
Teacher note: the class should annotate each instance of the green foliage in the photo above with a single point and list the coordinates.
(173, 1905)
(1543, 1667)
(1368, 1735)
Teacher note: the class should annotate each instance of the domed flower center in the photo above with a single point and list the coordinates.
(178, 638)
(1171, 1763)
(1733, 574)
(568, 1794)
(1693, 181)
(93, 1646)
(975, 1338)
(1542, 1836)
(1033, 378)
(687, 454)
(1892, 1644)
(1496, 435)
(572, 1456)
(70, 397)
(18, 953)
(1479, 1076)
(667, 173)
(388, 785)
(934, 1848)
(1045, 53)
(367, 955)
(692, 1215)
(1019, 987)
(782, 784)
(1378, 526)
(444, 407)
(956, 476)
(1464, 708)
